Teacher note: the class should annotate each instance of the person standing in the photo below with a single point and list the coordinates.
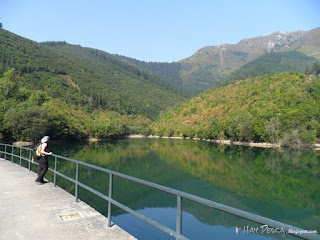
(43, 161)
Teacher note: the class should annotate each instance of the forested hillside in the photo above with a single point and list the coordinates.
(276, 108)
(271, 63)
(169, 72)
(69, 91)
(211, 66)
(83, 81)
(94, 56)
(28, 114)
(76, 96)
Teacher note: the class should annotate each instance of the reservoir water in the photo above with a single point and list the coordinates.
(283, 185)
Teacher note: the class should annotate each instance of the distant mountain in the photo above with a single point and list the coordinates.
(274, 62)
(209, 66)
(212, 64)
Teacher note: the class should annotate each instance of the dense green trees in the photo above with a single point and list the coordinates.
(85, 77)
(21, 114)
(27, 114)
(72, 92)
(26, 123)
(130, 66)
(241, 127)
(272, 108)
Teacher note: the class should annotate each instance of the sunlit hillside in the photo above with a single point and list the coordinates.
(272, 108)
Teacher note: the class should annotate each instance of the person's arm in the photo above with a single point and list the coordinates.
(43, 149)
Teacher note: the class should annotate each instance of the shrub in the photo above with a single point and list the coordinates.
(292, 140)
(188, 131)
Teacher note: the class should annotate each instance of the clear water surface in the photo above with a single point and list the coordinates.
(283, 185)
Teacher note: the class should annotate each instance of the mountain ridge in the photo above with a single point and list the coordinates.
(214, 63)
(210, 65)
(259, 44)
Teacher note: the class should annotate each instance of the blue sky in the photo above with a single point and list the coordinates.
(155, 30)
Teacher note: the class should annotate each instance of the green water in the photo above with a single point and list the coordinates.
(282, 185)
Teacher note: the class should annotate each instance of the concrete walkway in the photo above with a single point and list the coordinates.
(35, 212)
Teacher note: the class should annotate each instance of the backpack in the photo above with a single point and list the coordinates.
(36, 152)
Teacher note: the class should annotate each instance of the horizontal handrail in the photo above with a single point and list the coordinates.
(118, 204)
(177, 234)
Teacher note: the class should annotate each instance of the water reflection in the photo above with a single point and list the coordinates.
(278, 184)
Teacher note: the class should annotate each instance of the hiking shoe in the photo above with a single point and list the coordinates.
(40, 183)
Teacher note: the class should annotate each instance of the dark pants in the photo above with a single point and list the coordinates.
(42, 168)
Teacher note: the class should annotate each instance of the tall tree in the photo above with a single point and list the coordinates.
(26, 122)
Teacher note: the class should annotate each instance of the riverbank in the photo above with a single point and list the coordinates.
(315, 146)
(228, 142)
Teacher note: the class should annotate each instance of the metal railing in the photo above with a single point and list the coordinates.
(297, 232)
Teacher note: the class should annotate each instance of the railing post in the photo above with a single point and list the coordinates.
(5, 152)
(110, 196)
(20, 155)
(77, 179)
(55, 170)
(30, 156)
(12, 153)
(179, 215)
